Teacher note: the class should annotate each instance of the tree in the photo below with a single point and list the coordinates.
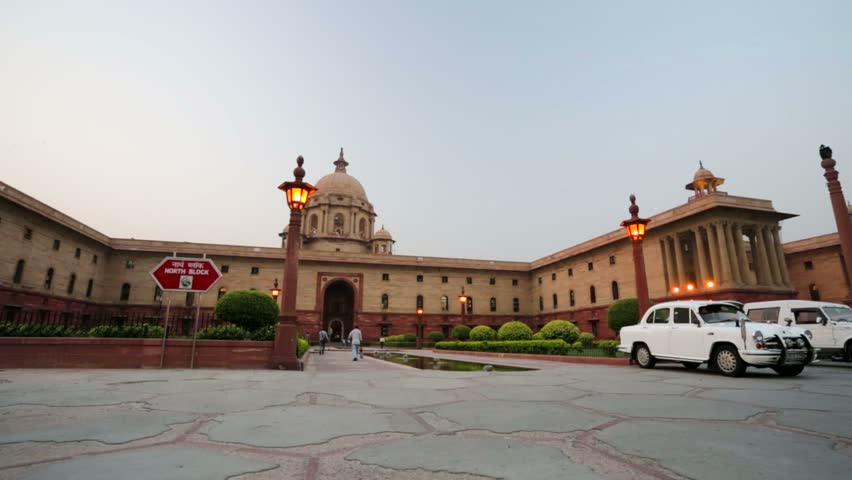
(622, 313)
(249, 309)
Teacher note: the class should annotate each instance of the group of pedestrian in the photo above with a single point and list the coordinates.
(354, 339)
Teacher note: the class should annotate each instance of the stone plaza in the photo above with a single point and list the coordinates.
(377, 420)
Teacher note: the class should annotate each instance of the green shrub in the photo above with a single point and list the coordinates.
(37, 330)
(302, 346)
(405, 338)
(622, 313)
(136, 331)
(577, 346)
(264, 334)
(248, 309)
(461, 332)
(436, 336)
(587, 339)
(225, 332)
(560, 329)
(542, 347)
(482, 333)
(610, 347)
(537, 336)
(514, 330)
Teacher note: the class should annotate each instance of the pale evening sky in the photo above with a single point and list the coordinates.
(480, 129)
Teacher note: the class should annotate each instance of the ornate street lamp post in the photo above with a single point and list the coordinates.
(841, 213)
(275, 291)
(419, 328)
(463, 303)
(635, 228)
(298, 192)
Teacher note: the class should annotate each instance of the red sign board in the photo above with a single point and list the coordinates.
(186, 274)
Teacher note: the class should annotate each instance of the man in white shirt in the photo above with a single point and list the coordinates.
(355, 339)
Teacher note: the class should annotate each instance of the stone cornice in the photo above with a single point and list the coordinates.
(812, 243)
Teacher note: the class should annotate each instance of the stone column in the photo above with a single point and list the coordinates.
(681, 271)
(745, 272)
(762, 257)
(703, 274)
(672, 261)
(712, 246)
(732, 254)
(755, 258)
(841, 213)
(773, 256)
(782, 260)
(724, 258)
(666, 269)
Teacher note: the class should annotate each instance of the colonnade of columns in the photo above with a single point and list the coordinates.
(716, 252)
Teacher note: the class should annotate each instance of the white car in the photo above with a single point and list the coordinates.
(719, 333)
(831, 323)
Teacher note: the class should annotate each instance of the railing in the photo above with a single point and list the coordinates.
(180, 325)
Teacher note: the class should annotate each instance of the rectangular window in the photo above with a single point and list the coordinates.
(419, 278)
(28, 233)
(570, 272)
(129, 264)
(764, 315)
(594, 325)
(612, 259)
(553, 276)
(445, 279)
(809, 265)
(385, 277)
(514, 282)
(492, 281)
(806, 317)
(385, 330)
(95, 259)
(660, 316)
(77, 253)
(591, 266)
(225, 268)
(681, 315)
(539, 280)
(56, 244)
(470, 280)
(255, 270)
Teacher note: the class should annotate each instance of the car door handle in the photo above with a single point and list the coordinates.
(710, 333)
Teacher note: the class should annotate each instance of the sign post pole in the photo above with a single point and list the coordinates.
(165, 330)
(195, 332)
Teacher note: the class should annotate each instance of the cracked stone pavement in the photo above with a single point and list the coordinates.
(376, 420)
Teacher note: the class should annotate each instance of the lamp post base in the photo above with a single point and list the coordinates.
(284, 350)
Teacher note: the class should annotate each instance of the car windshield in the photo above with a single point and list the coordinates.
(839, 313)
(721, 312)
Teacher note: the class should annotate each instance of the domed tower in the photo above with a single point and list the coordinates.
(338, 217)
(704, 182)
(383, 242)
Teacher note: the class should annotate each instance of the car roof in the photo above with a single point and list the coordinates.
(690, 303)
(793, 303)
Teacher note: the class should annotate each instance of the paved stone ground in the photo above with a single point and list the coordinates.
(375, 420)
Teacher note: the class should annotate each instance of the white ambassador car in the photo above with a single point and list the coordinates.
(719, 333)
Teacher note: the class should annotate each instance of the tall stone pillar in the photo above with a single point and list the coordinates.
(703, 273)
(666, 269)
(681, 270)
(782, 260)
(712, 247)
(755, 258)
(774, 268)
(745, 273)
(763, 257)
(841, 213)
(724, 258)
(670, 244)
(732, 254)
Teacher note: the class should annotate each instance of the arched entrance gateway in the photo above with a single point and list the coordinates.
(338, 309)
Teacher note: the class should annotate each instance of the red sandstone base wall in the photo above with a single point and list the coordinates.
(35, 352)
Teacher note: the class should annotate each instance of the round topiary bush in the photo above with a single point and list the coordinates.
(436, 337)
(587, 339)
(623, 313)
(461, 332)
(537, 336)
(482, 333)
(577, 346)
(514, 330)
(248, 309)
(560, 329)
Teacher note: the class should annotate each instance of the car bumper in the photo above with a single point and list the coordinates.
(774, 358)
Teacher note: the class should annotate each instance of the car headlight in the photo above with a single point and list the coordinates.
(809, 334)
(758, 339)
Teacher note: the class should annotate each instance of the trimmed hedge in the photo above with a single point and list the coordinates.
(137, 331)
(302, 346)
(248, 309)
(544, 347)
(225, 332)
(264, 334)
(35, 330)
(587, 339)
(514, 330)
(460, 332)
(436, 336)
(622, 313)
(560, 329)
(537, 336)
(610, 347)
(483, 333)
(407, 338)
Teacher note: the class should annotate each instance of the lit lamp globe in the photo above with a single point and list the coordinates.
(298, 192)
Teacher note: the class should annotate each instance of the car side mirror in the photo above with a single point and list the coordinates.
(789, 321)
(822, 321)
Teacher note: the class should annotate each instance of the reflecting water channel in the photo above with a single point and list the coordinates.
(429, 363)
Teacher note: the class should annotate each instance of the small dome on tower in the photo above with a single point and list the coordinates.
(704, 182)
(702, 173)
(340, 183)
(382, 234)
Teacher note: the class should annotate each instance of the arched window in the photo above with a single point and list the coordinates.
(158, 294)
(614, 290)
(89, 288)
(125, 293)
(445, 303)
(493, 304)
(469, 305)
(555, 301)
(222, 292)
(540, 303)
(419, 301)
(48, 279)
(338, 223)
(19, 271)
(593, 298)
(814, 291)
(314, 222)
(571, 298)
(516, 305)
(71, 281)
(384, 249)
(362, 226)
(385, 301)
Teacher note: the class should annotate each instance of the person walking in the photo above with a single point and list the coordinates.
(382, 342)
(323, 339)
(355, 339)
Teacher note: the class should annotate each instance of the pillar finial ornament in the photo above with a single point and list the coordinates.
(340, 164)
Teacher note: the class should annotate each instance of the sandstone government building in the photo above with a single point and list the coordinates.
(715, 245)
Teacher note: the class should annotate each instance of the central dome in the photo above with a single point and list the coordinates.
(341, 183)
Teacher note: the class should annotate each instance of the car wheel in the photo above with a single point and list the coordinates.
(849, 352)
(691, 365)
(729, 362)
(789, 370)
(644, 357)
